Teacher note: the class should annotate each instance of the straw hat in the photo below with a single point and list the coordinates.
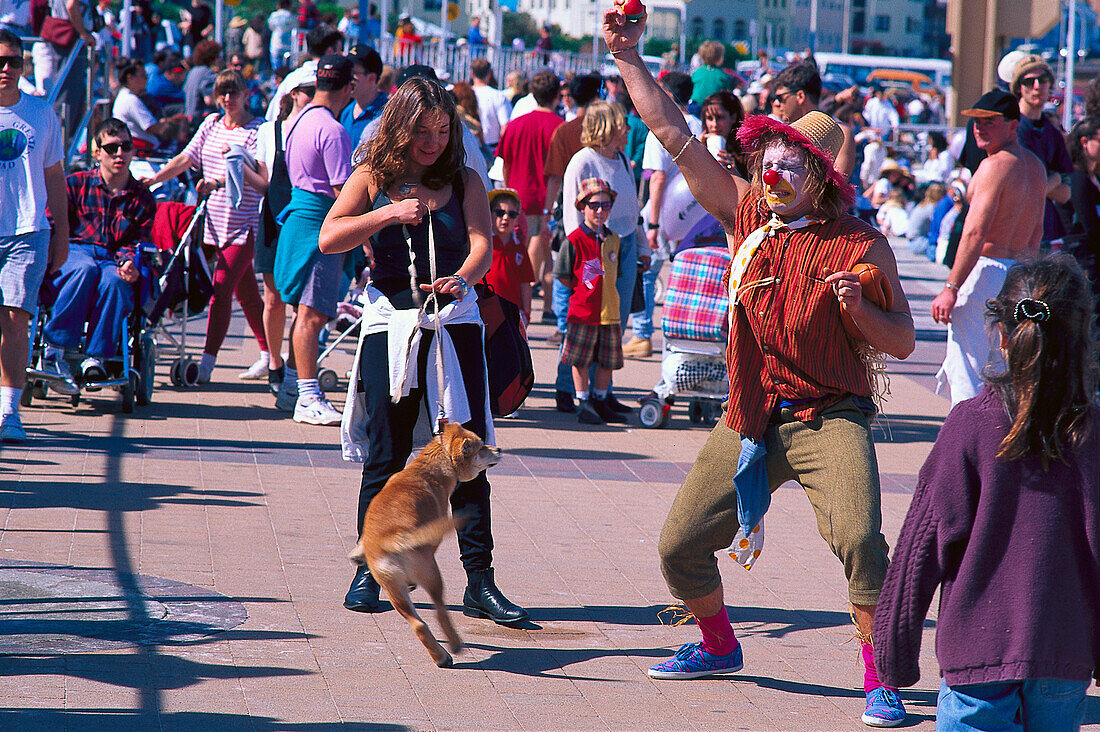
(1025, 66)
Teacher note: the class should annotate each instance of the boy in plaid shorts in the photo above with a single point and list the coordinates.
(588, 262)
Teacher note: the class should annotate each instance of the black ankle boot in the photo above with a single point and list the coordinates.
(362, 596)
(607, 414)
(483, 599)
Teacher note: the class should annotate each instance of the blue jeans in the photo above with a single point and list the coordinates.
(642, 321)
(628, 255)
(90, 290)
(1033, 704)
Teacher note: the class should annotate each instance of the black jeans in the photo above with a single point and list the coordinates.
(390, 433)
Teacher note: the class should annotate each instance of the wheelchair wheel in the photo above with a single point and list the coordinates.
(74, 399)
(129, 394)
(328, 380)
(147, 365)
(653, 414)
(39, 391)
(185, 372)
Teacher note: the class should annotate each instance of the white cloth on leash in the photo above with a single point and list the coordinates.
(403, 327)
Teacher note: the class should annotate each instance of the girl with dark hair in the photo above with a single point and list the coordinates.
(1083, 142)
(722, 116)
(1005, 518)
(422, 219)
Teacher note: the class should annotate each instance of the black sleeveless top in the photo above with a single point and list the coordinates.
(390, 273)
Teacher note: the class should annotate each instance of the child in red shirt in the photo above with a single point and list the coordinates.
(511, 274)
(588, 262)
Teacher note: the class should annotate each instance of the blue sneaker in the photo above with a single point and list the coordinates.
(884, 708)
(691, 662)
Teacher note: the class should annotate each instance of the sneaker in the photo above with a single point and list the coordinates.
(563, 402)
(287, 397)
(587, 415)
(555, 338)
(92, 369)
(206, 371)
(884, 708)
(61, 376)
(11, 430)
(275, 379)
(257, 370)
(692, 662)
(319, 411)
(638, 348)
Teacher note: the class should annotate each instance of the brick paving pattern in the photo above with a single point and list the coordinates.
(211, 493)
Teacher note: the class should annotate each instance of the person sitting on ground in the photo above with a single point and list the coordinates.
(134, 113)
(589, 264)
(511, 274)
(110, 213)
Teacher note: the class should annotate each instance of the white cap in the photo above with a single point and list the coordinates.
(1008, 64)
(302, 76)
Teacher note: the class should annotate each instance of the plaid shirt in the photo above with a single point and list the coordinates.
(115, 221)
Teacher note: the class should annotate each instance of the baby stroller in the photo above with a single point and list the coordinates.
(130, 371)
(185, 285)
(695, 326)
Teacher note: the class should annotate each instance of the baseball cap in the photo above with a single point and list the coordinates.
(302, 76)
(993, 103)
(413, 70)
(333, 72)
(367, 56)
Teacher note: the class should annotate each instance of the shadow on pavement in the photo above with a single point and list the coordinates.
(902, 428)
(572, 453)
(125, 719)
(536, 661)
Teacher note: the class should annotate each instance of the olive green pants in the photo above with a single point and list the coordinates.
(832, 458)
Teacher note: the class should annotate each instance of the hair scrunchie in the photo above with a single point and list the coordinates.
(1031, 309)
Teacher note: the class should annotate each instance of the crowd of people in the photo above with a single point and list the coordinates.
(566, 196)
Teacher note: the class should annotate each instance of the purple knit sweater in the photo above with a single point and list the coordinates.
(1016, 549)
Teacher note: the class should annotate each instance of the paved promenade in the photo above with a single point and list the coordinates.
(183, 568)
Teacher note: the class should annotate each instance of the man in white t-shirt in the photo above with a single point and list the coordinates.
(31, 172)
(492, 104)
(658, 162)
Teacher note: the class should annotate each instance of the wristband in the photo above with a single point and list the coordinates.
(652, 226)
(951, 286)
(616, 53)
(462, 281)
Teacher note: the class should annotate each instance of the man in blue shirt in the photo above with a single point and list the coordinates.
(367, 101)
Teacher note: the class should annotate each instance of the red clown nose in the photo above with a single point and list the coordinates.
(770, 177)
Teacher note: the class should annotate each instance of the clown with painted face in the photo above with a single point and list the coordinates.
(800, 387)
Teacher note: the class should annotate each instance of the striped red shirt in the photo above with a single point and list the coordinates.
(787, 341)
(225, 225)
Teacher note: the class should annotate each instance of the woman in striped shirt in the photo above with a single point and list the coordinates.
(231, 223)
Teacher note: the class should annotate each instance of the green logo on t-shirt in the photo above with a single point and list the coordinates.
(12, 145)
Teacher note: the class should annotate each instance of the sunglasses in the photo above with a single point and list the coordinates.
(597, 205)
(1032, 80)
(782, 97)
(15, 63)
(501, 213)
(113, 148)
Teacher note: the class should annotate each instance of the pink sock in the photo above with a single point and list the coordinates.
(870, 673)
(718, 638)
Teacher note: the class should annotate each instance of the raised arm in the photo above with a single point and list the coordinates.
(711, 184)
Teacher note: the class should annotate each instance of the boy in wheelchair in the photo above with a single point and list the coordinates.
(110, 213)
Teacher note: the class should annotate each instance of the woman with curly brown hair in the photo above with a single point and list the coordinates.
(422, 218)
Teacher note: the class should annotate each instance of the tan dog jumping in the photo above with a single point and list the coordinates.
(407, 521)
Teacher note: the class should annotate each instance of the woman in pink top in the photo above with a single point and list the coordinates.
(230, 224)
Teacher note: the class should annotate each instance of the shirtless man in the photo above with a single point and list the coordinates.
(1004, 224)
(797, 93)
